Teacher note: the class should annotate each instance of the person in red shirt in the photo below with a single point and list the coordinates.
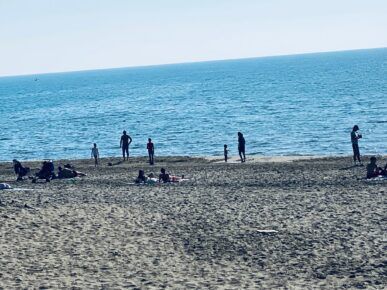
(151, 151)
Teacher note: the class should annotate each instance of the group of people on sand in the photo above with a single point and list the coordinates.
(126, 140)
(373, 170)
(164, 177)
(46, 172)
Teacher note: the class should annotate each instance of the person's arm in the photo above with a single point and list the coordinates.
(130, 139)
(97, 153)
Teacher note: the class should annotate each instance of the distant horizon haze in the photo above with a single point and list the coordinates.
(192, 62)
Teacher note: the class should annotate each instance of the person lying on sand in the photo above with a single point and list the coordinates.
(20, 171)
(69, 173)
(372, 168)
(165, 177)
(142, 179)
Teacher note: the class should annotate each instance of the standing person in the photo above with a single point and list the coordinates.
(225, 153)
(355, 136)
(241, 147)
(124, 144)
(151, 151)
(95, 154)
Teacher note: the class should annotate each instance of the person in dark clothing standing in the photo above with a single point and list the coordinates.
(151, 151)
(124, 144)
(225, 152)
(241, 147)
(355, 136)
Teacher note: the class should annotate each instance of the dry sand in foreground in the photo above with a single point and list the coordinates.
(103, 232)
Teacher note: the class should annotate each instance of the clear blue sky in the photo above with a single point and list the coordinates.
(38, 36)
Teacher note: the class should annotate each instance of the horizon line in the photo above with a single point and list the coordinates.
(187, 62)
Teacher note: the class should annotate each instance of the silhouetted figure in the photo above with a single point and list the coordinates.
(225, 151)
(95, 154)
(124, 144)
(141, 178)
(69, 172)
(46, 172)
(151, 151)
(372, 168)
(355, 136)
(241, 147)
(20, 171)
(164, 177)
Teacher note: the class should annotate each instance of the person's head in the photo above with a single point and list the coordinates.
(151, 175)
(124, 132)
(149, 140)
(95, 145)
(141, 173)
(14, 161)
(162, 170)
(225, 145)
(355, 128)
(373, 160)
(240, 134)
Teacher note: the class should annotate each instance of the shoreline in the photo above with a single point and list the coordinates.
(211, 159)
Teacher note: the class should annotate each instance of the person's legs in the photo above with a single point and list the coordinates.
(356, 152)
(152, 157)
(127, 153)
(244, 155)
(95, 161)
(123, 153)
(240, 154)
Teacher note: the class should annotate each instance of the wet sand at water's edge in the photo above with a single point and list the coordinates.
(101, 231)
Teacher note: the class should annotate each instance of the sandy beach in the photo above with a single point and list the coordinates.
(271, 223)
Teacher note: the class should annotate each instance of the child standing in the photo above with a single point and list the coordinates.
(95, 154)
(225, 153)
(151, 151)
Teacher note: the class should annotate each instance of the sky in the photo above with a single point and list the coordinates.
(42, 36)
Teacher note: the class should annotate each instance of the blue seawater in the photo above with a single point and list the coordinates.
(287, 105)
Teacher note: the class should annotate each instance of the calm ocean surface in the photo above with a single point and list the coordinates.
(288, 105)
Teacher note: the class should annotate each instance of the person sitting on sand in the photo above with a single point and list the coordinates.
(384, 171)
(141, 178)
(46, 172)
(372, 168)
(20, 170)
(164, 177)
(69, 173)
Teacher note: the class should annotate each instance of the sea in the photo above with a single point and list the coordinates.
(284, 105)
